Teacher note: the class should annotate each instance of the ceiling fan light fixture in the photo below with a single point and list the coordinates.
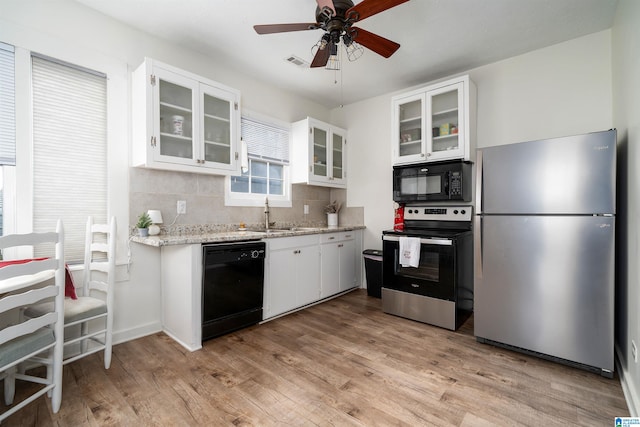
(334, 61)
(354, 51)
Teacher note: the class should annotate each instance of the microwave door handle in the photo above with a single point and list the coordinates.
(447, 176)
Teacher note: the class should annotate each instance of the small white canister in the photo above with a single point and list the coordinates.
(177, 123)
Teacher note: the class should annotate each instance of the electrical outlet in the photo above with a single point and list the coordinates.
(182, 206)
(634, 351)
(306, 209)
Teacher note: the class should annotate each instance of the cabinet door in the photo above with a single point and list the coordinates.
(330, 269)
(409, 128)
(338, 156)
(282, 282)
(446, 121)
(174, 117)
(347, 264)
(320, 154)
(307, 266)
(218, 131)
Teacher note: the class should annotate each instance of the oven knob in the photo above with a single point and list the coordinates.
(255, 254)
(455, 211)
(463, 212)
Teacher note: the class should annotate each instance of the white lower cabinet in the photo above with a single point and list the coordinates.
(292, 273)
(338, 263)
(302, 270)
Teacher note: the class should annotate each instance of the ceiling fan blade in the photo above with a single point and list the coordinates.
(328, 4)
(283, 28)
(369, 8)
(376, 43)
(322, 56)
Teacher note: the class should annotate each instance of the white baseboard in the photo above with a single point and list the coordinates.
(137, 332)
(628, 387)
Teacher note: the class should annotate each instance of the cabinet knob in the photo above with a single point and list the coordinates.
(421, 154)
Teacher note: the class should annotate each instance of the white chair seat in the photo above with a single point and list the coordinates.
(74, 309)
(20, 347)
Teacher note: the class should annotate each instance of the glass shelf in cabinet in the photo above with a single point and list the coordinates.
(166, 135)
(214, 117)
(445, 137)
(408, 143)
(450, 112)
(175, 107)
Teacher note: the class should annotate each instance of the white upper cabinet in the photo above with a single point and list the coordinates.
(436, 122)
(319, 154)
(184, 122)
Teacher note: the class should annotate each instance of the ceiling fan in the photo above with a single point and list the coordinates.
(336, 18)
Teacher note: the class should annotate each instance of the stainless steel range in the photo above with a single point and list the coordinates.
(438, 289)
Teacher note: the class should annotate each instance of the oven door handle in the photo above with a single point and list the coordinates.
(428, 241)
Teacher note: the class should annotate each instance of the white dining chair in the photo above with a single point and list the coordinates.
(88, 320)
(38, 339)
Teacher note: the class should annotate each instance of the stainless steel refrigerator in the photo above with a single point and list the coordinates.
(544, 248)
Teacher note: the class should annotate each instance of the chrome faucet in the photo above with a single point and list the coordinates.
(266, 214)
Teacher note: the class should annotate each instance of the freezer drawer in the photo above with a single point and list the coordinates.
(546, 284)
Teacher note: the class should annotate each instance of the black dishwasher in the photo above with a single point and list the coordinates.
(232, 286)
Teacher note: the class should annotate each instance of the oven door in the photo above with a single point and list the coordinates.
(435, 274)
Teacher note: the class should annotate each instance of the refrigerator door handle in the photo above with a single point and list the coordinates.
(477, 249)
(478, 182)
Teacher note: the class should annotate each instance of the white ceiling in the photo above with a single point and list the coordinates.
(438, 38)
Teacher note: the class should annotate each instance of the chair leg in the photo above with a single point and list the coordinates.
(10, 386)
(108, 341)
(84, 330)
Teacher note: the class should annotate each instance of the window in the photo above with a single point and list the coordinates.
(265, 171)
(69, 150)
(7, 121)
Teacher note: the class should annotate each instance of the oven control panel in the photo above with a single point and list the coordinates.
(438, 213)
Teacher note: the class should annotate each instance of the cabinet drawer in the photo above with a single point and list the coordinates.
(337, 237)
(292, 242)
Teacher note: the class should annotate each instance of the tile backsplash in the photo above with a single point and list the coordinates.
(204, 194)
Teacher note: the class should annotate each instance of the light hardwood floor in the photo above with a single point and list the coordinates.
(343, 362)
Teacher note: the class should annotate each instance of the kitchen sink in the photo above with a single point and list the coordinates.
(285, 229)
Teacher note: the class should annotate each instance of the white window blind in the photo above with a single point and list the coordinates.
(69, 150)
(265, 141)
(7, 106)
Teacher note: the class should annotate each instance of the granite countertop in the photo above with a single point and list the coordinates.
(209, 236)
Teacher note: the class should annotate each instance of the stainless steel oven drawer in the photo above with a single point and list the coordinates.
(424, 309)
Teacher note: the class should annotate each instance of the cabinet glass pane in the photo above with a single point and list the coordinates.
(319, 152)
(217, 130)
(176, 120)
(337, 156)
(444, 119)
(410, 132)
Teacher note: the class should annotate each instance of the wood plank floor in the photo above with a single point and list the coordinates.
(343, 362)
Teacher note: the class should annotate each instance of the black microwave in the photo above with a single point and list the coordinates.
(437, 181)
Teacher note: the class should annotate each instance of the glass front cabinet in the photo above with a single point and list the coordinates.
(434, 123)
(184, 122)
(318, 154)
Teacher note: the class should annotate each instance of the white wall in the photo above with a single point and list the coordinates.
(560, 90)
(68, 31)
(626, 114)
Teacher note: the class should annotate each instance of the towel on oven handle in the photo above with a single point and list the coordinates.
(409, 251)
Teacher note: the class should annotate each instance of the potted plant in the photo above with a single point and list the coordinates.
(332, 210)
(144, 221)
